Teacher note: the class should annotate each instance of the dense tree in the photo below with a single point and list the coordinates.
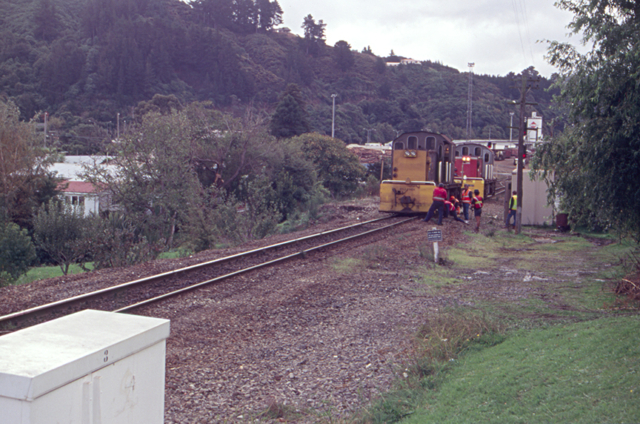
(269, 15)
(337, 168)
(109, 55)
(167, 168)
(290, 118)
(17, 252)
(343, 55)
(115, 241)
(313, 34)
(243, 16)
(161, 104)
(596, 163)
(214, 13)
(47, 24)
(59, 229)
(24, 180)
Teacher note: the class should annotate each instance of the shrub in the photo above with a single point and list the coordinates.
(59, 229)
(17, 252)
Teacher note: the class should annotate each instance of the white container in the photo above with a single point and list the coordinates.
(535, 210)
(91, 367)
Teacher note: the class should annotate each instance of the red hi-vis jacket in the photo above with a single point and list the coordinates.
(465, 196)
(477, 202)
(439, 194)
(450, 205)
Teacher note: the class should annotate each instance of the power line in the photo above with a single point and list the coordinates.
(515, 12)
(526, 27)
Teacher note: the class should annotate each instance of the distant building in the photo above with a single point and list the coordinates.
(78, 192)
(370, 153)
(81, 194)
(405, 62)
(534, 128)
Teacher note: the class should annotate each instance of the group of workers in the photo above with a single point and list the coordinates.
(470, 200)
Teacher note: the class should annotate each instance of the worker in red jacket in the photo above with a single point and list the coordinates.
(439, 196)
(453, 205)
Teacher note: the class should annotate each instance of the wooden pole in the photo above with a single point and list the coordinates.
(523, 97)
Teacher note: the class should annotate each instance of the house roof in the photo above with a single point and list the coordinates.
(76, 187)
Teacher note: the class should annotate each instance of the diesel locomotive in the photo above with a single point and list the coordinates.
(474, 168)
(420, 161)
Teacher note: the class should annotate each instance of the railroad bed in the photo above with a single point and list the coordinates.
(319, 336)
(128, 296)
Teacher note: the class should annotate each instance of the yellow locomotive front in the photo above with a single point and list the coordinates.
(420, 161)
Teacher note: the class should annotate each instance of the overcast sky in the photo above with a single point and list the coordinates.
(499, 36)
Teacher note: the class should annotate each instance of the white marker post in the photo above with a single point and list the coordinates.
(435, 236)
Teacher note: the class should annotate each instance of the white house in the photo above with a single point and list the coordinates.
(75, 190)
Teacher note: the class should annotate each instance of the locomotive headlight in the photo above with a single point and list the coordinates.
(410, 154)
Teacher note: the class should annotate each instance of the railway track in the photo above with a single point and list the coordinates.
(128, 296)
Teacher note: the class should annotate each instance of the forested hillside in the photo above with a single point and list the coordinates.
(86, 61)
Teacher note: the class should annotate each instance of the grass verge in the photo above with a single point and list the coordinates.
(585, 372)
(42, 272)
(555, 348)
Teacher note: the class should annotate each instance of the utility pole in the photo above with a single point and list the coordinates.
(368, 130)
(528, 83)
(46, 116)
(333, 116)
(511, 127)
(470, 101)
(118, 128)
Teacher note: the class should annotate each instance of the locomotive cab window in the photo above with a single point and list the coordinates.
(412, 143)
(431, 143)
(478, 152)
(465, 151)
(399, 145)
(486, 158)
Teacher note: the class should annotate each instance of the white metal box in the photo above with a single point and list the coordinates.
(535, 210)
(91, 367)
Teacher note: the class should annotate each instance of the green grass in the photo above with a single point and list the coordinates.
(586, 372)
(42, 272)
(563, 350)
(176, 253)
(438, 276)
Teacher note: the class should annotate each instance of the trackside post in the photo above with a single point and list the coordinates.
(434, 235)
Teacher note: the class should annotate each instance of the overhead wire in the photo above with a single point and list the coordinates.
(517, 16)
(526, 27)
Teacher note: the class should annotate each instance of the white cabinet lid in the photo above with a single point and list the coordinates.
(39, 359)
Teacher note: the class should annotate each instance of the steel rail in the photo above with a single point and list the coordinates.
(254, 267)
(86, 296)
